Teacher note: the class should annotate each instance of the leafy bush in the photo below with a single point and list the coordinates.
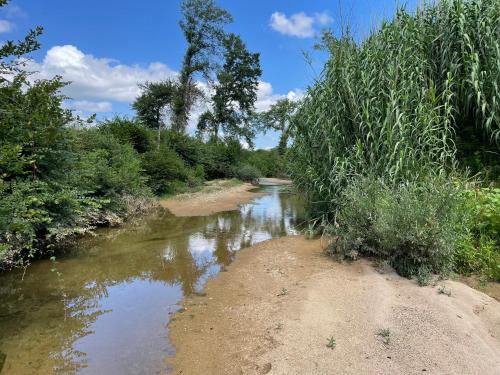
(129, 131)
(105, 167)
(220, 158)
(478, 245)
(34, 214)
(414, 225)
(246, 172)
(190, 149)
(269, 162)
(162, 167)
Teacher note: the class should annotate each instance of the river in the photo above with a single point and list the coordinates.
(103, 307)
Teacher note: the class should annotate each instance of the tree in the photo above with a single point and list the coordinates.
(278, 117)
(235, 93)
(202, 26)
(154, 103)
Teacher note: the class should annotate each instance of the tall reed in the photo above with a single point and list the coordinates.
(391, 106)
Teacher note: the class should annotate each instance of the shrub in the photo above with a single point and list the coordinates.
(414, 225)
(162, 167)
(220, 158)
(246, 172)
(129, 131)
(269, 162)
(34, 214)
(188, 148)
(478, 245)
(104, 167)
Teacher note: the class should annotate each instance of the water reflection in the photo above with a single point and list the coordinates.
(104, 308)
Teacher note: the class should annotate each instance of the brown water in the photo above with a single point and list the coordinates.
(103, 308)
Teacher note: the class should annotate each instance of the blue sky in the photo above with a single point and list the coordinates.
(106, 47)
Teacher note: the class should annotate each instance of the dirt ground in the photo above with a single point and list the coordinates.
(216, 197)
(282, 301)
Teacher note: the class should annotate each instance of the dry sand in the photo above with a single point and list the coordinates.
(212, 199)
(280, 301)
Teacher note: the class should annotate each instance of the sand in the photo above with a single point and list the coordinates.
(281, 301)
(207, 202)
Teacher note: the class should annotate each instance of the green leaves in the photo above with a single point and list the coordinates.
(235, 93)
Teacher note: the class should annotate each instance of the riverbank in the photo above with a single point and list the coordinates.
(216, 196)
(282, 301)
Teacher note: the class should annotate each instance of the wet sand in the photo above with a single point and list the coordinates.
(281, 301)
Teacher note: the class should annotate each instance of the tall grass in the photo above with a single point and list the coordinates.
(391, 107)
(376, 139)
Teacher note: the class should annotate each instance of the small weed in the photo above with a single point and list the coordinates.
(279, 326)
(332, 343)
(423, 276)
(283, 292)
(386, 335)
(443, 290)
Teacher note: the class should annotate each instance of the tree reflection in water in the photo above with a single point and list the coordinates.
(109, 308)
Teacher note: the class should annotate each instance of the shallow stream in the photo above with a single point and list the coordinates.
(104, 306)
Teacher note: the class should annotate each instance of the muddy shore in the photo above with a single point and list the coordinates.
(282, 301)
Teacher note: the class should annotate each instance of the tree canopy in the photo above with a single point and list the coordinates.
(203, 27)
(235, 93)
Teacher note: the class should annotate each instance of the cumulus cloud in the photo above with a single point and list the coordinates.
(266, 96)
(95, 78)
(5, 26)
(299, 24)
(97, 83)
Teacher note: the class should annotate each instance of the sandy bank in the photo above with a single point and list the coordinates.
(215, 197)
(280, 301)
(274, 181)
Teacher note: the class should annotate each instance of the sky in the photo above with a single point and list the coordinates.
(107, 47)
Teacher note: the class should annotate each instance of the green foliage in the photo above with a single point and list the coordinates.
(153, 103)
(129, 131)
(392, 105)
(279, 117)
(389, 121)
(162, 167)
(414, 225)
(247, 172)
(203, 27)
(269, 162)
(385, 334)
(332, 343)
(235, 93)
(190, 149)
(478, 247)
(104, 166)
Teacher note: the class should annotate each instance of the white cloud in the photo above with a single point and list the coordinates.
(97, 83)
(89, 106)
(266, 97)
(5, 26)
(95, 78)
(299, 24)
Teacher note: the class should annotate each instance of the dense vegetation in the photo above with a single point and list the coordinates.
(387, 140)
(61, 176)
